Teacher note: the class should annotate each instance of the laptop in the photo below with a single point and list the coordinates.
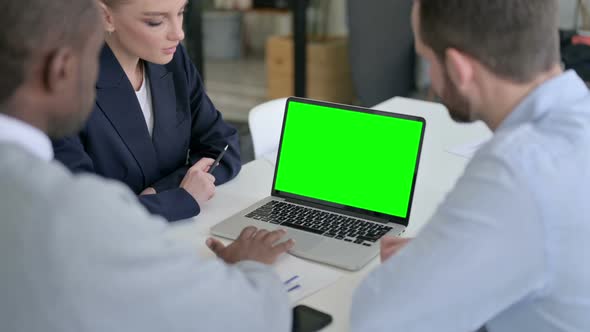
(344, 178)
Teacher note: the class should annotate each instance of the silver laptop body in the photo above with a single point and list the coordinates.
(324, 231)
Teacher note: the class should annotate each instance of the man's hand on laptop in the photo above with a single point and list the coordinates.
(391, 245)
(253, 244)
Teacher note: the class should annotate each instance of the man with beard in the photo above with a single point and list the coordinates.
(508, 248)
(79, 253)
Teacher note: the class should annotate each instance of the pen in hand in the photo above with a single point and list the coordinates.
(216, 162)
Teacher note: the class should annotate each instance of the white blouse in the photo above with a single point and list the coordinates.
(144, 96)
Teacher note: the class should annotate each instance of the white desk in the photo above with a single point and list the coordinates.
(437, 174)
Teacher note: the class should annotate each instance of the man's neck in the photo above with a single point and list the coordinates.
(26, 114)
(504, 96)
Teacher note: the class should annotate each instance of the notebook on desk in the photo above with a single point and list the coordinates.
(344, 177)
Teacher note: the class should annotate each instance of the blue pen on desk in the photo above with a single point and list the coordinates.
(293, 278)
(289, 281)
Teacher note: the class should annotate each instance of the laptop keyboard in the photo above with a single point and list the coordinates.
(319, 222)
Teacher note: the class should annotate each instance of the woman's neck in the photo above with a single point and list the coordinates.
(132, 65)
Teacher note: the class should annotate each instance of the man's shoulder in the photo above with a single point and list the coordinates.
(63, 195)
(556, 141)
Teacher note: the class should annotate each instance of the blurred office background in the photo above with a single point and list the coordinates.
(358, 52)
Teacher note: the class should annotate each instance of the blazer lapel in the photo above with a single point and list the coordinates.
(117, 100)
(164, 105)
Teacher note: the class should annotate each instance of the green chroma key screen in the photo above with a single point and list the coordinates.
(357, 159)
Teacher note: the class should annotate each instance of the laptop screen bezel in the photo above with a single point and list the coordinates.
(340, 208)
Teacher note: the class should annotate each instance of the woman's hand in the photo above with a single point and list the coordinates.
(148, 191)
(198, 183)
(204, 164)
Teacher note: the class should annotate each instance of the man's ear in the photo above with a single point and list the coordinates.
(58, 69)
(459, 67)
(107, 17)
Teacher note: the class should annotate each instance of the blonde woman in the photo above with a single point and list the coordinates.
(153, 126)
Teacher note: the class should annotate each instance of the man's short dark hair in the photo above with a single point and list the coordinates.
(30, 27)
(515, 39)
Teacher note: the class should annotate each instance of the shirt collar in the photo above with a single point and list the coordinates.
(560, 90)
(32, 139)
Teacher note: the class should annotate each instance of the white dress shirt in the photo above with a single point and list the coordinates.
(509, 248)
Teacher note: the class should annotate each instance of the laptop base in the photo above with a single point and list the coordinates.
(342, 254)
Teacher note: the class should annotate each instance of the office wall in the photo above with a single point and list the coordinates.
(338, 25)
(258, 27)
(567, 13)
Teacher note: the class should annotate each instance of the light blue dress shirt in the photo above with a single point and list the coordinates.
(509, 248)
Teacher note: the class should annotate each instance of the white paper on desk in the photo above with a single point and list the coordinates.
(469, 149)
(312, 277)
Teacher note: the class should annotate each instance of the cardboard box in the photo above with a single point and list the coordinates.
(328, 69)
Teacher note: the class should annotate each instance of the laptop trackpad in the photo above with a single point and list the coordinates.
(304, 241)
